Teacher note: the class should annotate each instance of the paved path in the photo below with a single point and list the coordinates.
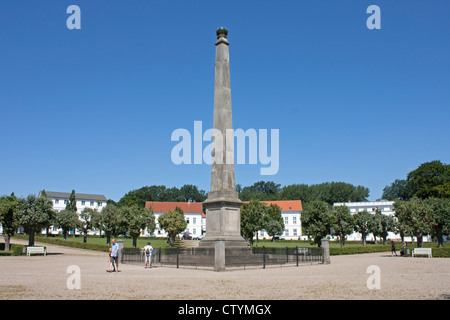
(40, 277)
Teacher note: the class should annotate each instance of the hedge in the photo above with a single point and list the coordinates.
(436, 252)
(68, 243)
(14, 250)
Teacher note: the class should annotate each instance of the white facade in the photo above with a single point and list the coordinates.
(386, 208)
(291, 211)
(194, 225)
(83, 200)
(292, 227)
(192, 211)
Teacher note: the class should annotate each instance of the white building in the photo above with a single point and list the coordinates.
(83, 200)
(192, 213)
(386, 207)
(291, 212)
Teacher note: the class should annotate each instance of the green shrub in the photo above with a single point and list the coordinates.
(14, 250)
(357, 250)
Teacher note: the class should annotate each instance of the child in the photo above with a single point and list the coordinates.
(110, 262)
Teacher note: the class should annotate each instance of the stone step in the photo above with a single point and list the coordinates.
(189, 243)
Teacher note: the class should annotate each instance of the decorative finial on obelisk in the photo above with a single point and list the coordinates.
(222, 34)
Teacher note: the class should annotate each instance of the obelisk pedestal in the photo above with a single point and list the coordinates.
(223, 213)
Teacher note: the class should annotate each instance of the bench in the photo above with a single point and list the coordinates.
(422, 251)
(31, 250)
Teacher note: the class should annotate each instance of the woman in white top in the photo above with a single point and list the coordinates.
(148, 254)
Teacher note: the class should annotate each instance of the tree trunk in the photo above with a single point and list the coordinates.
(364, 240)
(7, 238)
(419, 240)
(440, 239)
(134, 242)
(85, 237)
(31, 239)
(342, 240)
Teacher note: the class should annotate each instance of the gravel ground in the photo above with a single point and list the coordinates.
(45, 277)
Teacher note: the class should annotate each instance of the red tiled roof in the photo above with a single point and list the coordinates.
(187, 207)
(285, 205)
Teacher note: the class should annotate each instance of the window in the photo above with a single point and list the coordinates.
(286, 232)
(83, 203)
(194, 221)
(56, 201)
(92, 203)
(187, 220)
(286, 220)
(194, 231)
(295, 232)
(294, 220)
(65, 201)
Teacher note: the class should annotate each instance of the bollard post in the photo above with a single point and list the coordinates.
(264, 257)
(325, 251)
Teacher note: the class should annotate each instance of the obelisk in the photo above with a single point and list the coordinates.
(223, 214)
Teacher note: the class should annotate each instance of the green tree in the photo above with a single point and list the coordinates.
(430, 179)
(67, 220)
(316, 220)
(439, 218)
(160, 193)
(296, 192)
(386, 223)
(33, 215)
(136, 220)
(342, 222)
(398, 190)
(252, 214)
(87, 220)
(363, 222)
(109, 221)
(191, 193)
(273, 221)
(72, 203)
(414, 216)
(51, 213)
(173, 222)
(262, 190)
(9, 207)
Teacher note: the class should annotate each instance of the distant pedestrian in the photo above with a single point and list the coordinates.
(393, 248)
(148, 254)
(115, 255)
(403, 249)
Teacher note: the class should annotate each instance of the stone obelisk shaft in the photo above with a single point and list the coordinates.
(223, 204)
(222, 168)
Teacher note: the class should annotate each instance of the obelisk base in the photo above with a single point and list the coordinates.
(223, 225)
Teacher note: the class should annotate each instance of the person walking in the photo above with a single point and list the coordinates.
(393, 248)
(115, 255)
(148, 255)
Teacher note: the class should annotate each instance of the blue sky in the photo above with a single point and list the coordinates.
(94, 109)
